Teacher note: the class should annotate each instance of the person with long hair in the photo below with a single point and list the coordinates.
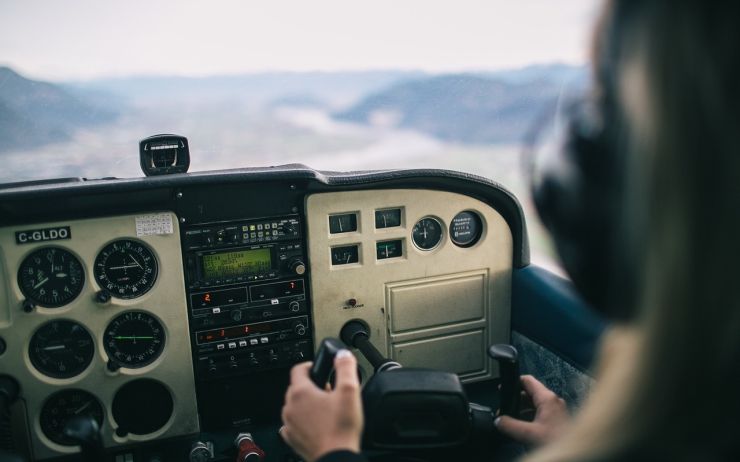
(668, 373)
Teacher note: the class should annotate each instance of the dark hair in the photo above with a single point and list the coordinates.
(669, 382)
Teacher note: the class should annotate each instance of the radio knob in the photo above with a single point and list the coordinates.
(294, 306)
(297, 266)
(299, 329)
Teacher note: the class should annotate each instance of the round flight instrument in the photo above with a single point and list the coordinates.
(466, 229)
(61, 349)
(126, 268)
(427, 233)
(51, 277)
(63, 406)
(134, 339)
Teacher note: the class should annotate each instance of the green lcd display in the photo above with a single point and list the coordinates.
(227, 265)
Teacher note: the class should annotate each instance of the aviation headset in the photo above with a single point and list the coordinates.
(579, 188)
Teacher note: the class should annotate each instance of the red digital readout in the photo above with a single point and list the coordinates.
(217, 335)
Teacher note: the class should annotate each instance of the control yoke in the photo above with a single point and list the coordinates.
(419, 409)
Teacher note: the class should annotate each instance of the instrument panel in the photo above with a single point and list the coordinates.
(96, 325)
(429, 272)
(166, 324)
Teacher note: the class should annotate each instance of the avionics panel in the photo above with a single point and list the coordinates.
(249, 312)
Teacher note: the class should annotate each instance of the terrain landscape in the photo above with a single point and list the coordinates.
(472, 122)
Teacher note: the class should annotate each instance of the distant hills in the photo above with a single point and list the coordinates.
(34, 113)
(474, 109)
(253, 90)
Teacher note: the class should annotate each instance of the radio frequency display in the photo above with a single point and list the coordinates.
(226, 265)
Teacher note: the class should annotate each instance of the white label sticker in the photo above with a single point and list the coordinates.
(150, 225)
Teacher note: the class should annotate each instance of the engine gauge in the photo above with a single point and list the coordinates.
(126, 268)
(387, 218)
(465, 229)
(63, 406)
(344, 223)
(427, 233)
(61, 349)
(51, 277)
(389, 249)
(345, 255)
(134, 339)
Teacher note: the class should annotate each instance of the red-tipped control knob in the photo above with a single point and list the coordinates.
(248, 450)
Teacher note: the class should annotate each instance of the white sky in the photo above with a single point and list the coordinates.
(78, 39)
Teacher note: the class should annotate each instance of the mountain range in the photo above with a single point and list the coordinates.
(34, 113)
(471, 109)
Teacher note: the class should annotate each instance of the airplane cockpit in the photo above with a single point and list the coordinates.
(157, 318)
(196, 198)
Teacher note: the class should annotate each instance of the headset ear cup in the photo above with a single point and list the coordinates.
(572, 198)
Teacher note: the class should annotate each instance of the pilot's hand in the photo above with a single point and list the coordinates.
(549, 422)
(317, 421)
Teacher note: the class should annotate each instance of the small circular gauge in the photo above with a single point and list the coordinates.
(466, 229)
(134, 339)
(61, 349)
(126, 268)
(427, 233)
(63, 406)
(51, 277)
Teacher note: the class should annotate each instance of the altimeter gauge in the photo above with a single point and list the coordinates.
(134, 339)
(51, 277)
(126, 268)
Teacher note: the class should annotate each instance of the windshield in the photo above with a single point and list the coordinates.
(333, 84)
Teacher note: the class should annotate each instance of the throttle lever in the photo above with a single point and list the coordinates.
(508, 366)
(324, 362)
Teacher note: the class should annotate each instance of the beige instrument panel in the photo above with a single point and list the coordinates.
(438, 308)
(165, 301)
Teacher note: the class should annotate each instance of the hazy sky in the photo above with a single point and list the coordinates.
(78, 39)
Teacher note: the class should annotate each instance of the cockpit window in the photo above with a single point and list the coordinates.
(331, 84)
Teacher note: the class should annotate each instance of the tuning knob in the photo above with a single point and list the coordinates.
(297, 266)
(102, 296)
